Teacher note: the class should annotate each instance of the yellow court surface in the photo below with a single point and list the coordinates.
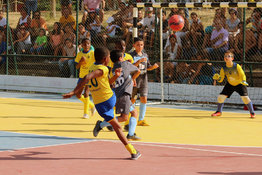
(168, 125)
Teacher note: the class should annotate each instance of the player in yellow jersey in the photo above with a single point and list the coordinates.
(103, 96)
(236, 81)
(84, 60)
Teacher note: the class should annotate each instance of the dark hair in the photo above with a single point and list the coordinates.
(42, 29)
(85, 40)
(137, 39)
(115, 55)
(100, 54)
(58, 31)
(193, 13)
(36, 12)
(229, 51)
(68, 39)
(240, 23)
(232, 10)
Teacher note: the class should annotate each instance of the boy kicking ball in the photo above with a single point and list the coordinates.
(236, 81)
(103, 96)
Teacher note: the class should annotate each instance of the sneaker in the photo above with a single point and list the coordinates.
(216, 114)
(97, 128)
(142, 123)
(85, 116)
(136, 156)
(133, 137)
(110, 128)
(252, 115)
(126, 128)
(93, 110)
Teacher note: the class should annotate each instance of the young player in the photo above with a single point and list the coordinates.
(142, 62)
(84, 60)
(236, 81)
(121, 45)
(103, 96)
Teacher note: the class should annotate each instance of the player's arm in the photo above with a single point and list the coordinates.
(117, 74)
(242, 76)
(222, 75)
(140, 61)
(154, 66)
(83, 82)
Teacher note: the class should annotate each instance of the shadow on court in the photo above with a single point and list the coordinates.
(232, 173)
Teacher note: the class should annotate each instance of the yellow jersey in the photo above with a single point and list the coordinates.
(84, 69)
(99, 87)
(235, 74)
(127, 57)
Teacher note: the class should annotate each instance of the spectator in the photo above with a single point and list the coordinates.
(207, 37)
(128, 23)
(232, 26)
(68, 34)
(24, 19)
(119, 15)
(66, 4)
(220, 15)
(66, 18)
(2, 19)
(94, 5)
(40, 43)
(3, 48)
(37, 23)
(250, 43)
(56, 38)
(182, 33)
(173, 11)
(110, 29)
(260, 42)
(219, 41)
(23, 41)
(69, 50)
(83, 33)
(31, 5)
(93, 24)
(256, 21)
(196, 31)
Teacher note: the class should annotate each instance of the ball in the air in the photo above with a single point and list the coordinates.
(176, 22)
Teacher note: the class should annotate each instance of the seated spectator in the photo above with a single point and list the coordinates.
(94, 5)
(128, 22)
(260, 43)
(66, 18)
(31, 5)
(83, 33)
(69, 34)
(119, 15)
(66, 4)
(173, 11)
(219, 41)
(69, 50)
(256, 21)
(2, 19)
(24, 19)
(110, 30)
(250, 43)
(56, 38)
(196, 31)
(37, 23)
(40, 43)
(220, 15)
(93, 24)
(202, 73)
(3, 48)
(207, 37)
(232, 26)
(24, 40)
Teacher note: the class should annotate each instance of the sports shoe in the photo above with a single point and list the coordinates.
(133, 137)
(93, 110)
(142, 123)
(126, 128)
(216, 114)
(110, 128)
(85, 116)
(136, 156)
(97, 128)
(252, 115)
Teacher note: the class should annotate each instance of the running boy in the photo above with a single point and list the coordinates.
(142, 62)
(84, 60)
(103, 96)
(236, 81)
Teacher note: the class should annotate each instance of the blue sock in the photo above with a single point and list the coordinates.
(142, 111)
(220, 107)
(104, 124)
(132, 126)
(250, 107)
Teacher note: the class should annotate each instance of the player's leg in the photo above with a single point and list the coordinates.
(142, 111)
(86, 102)
(242, 91)
(132, 124)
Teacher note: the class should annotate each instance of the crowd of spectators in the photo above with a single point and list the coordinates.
(194, 42)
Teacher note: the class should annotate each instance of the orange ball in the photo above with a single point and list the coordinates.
(176, 22)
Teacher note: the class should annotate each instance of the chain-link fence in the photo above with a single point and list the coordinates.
(44, 37)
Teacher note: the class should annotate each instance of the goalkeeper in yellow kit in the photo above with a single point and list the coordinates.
(236, 81)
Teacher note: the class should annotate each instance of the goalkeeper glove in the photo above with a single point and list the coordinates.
(216, 77)
(244, 83)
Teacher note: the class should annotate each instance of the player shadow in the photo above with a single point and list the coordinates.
(182, 116)
(50, 130)
(37, 117)
(29, 156)
(60, 124)
(231, 173)
(44, 137)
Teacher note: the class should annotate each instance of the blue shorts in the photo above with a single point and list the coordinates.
(106, 108)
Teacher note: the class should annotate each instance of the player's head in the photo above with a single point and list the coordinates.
(120, 45)
(116, 55)
(86, 44)
(102, 55)
(229, 56)
(138, 44)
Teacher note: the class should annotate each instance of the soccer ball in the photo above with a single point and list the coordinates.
(176, 22)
